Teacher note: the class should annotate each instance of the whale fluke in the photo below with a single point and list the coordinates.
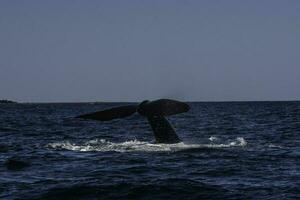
(162, 107)
(110, 114)
(154, 111)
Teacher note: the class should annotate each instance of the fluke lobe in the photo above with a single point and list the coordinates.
(154, 111)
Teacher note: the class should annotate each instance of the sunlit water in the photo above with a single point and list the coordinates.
(229, 151)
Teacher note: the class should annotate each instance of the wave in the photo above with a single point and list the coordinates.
(178, 188)
(103, 145)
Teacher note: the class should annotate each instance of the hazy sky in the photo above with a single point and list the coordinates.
(129, 50)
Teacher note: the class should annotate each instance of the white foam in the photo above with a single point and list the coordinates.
(140, 146)
(213, 138)
(275, 146)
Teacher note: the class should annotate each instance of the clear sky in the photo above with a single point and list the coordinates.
(129, 50)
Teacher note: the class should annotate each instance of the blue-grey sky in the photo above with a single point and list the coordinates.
(129, 50)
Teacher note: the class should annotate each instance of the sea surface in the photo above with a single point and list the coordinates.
(230, 150)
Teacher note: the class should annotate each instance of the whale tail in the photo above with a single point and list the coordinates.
(163, 131)
(110, 114)
(154, 111)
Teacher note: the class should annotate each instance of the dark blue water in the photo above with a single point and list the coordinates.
(246, 150)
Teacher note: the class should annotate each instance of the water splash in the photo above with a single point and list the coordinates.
(103, 145)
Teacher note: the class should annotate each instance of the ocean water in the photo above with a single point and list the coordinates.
(233, 150)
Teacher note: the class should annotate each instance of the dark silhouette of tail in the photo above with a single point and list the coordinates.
(163, 131)
(154, 111)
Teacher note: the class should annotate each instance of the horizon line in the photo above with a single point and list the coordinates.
(190, 101)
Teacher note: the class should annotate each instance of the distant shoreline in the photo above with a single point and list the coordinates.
(5, 101)
(115, 102)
